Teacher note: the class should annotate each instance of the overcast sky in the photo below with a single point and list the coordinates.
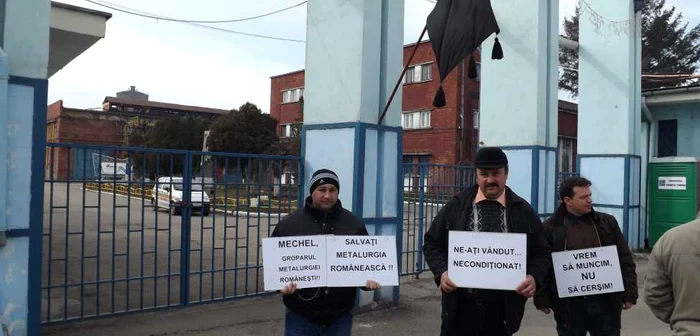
(185, 64)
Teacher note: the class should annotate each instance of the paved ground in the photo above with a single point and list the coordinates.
(417, 314)
(104, 253)
(137, 251)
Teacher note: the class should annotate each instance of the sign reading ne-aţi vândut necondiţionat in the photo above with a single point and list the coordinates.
(329, 261)
(587, 271)
(487, 260)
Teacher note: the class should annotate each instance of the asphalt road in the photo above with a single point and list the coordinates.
(106, 253)
(418, 313)
(128, 257)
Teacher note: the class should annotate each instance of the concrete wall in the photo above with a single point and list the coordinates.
(23, 90)
(688, 116)
(84, 129)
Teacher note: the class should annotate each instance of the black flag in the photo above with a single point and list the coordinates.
(456, 28)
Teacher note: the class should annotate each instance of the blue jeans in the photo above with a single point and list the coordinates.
(297, 325)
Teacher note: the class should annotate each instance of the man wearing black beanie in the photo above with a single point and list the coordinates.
(488, 206)
(321, 311)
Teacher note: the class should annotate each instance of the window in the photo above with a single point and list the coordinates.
(411, 162)
(667, 145)
(566, 154)
(416, 159)
(476, 119)
(418, 73)
(51, 132)
(292, 96)
(415, 166)
(285, 130)
(416, 120)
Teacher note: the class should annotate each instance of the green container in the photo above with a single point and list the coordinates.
(673, 194)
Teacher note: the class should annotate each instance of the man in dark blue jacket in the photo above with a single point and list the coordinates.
(321, 311)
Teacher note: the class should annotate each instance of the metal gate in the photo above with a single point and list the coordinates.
(129, 229)
(426, 188)
(133, 229)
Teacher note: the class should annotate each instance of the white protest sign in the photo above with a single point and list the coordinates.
(352, 260)
(487, 260)
(587, 271)
(299, 259)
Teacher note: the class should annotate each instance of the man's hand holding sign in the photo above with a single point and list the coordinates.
(292, 287)
(589, 271)
(487, 252)
(300, 260)
(594, 272)
(329, 261)
(301, 252)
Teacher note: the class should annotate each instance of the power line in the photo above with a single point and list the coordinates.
(136, 12)
(158, 17)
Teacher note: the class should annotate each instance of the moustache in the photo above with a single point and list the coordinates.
(492, 185)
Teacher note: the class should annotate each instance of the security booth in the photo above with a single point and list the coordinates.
(673, 194)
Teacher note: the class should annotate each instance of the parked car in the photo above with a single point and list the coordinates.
(168, 194)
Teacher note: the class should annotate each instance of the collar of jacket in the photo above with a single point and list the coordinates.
(469, 194)
(466, 197)
(319, 214)
(560, 215)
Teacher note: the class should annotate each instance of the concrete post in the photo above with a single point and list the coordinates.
(609, 118)
(519, 97)
(354, 55)
(23, 90)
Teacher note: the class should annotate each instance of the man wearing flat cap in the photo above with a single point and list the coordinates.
(321, 311)
(488, 206)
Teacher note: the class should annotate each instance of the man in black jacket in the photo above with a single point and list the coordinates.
(321, 311)
(576, 225)
(488, 206)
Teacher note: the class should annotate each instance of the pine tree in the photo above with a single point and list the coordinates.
(668, 47)
(568, 59)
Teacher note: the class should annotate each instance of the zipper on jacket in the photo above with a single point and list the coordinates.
(325, 220)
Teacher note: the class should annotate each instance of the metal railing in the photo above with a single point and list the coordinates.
(115, 240)
(427, 187)
(118, 237)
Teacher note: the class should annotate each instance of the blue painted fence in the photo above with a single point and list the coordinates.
(428, 187)
(109, 246)
(108, 249)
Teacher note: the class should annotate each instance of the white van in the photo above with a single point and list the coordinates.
(167, 193)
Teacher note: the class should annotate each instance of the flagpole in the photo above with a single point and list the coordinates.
(405, 68)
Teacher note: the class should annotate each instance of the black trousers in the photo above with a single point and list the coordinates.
(477, 317)
(590, 314)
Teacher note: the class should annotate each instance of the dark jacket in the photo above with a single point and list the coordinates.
(610, 234)
(327, 303)
(521, 218)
